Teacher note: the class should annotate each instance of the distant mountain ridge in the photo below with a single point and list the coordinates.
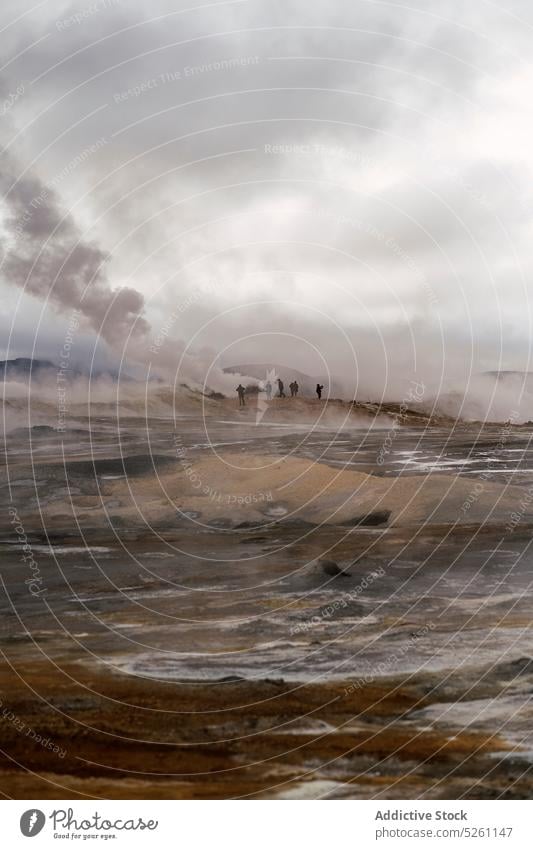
(23, 369)
(501, 375)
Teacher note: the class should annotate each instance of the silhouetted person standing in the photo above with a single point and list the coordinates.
(295, 388)
(319, 389)
(291, 387)
(268, 390)
(240, 391)
(280, 388)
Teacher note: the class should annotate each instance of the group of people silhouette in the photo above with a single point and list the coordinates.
(294, 387)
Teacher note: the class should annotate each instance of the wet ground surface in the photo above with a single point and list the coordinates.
(501, 453)
(288, 661)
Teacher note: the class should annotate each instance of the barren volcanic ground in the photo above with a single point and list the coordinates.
(220, 606)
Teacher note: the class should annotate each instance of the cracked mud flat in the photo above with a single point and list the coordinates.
(187, 645)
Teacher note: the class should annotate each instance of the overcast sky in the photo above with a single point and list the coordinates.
(341, 185)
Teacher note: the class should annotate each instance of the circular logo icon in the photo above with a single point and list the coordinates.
(32, 822)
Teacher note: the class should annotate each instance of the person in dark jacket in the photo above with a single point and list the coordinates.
(319, 389)
(240, 391)
(280, 388)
